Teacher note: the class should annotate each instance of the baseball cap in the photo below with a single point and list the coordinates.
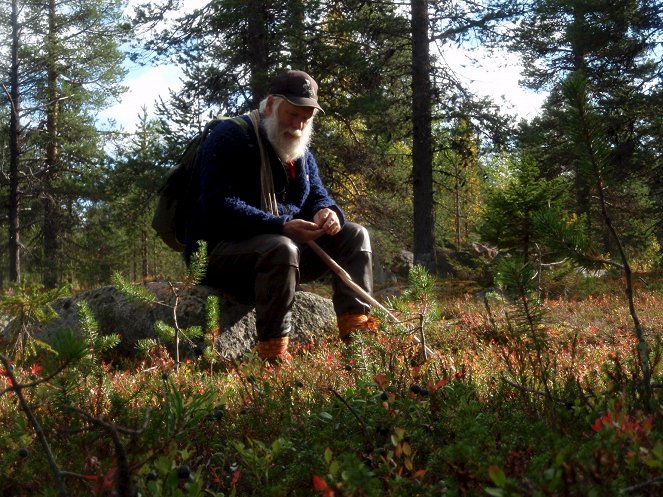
(296, 87)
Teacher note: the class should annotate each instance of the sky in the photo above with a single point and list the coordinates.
(145, 86)
(494, 75)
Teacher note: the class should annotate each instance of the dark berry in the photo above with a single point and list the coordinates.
(382, 431)
(152, 475)
(22, 452)
(299, 384)
(424, 392)
(384, 396)
(219, 413)
(348, 367)
(415, 389)
(183, 472)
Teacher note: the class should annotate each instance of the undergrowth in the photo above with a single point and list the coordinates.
(505, 408)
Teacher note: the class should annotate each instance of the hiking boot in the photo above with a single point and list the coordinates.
(348, 324)
(274, 350)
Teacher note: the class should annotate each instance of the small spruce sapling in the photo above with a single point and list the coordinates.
(213, 330)
(30, 306)
(417, 304)
(527, 359)
(97, 344)
(165, 332)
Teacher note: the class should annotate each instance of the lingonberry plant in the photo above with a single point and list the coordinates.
(374, 418)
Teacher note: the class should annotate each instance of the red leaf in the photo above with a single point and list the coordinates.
(597, 425)
(441, 383)
(380, 380)
(235, 479)
(106, 483)
(319, 484)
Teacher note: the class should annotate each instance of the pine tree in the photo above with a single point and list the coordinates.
(590, 137)
(457, 183)
(70, 66)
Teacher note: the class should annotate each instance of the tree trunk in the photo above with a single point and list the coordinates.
(258, 42)
(50, 259)
(422, 154)
(298, 46)
(144, 252)
(457, 210)
(15, 154)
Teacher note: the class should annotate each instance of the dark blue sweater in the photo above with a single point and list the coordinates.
(228, 183)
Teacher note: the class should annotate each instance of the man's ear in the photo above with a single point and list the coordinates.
(269, 107)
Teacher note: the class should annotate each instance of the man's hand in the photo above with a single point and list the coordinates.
(328, 221)
(302, 231)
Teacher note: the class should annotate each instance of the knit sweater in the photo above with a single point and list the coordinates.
(228, 182)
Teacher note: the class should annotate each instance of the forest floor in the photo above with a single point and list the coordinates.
(546, 405)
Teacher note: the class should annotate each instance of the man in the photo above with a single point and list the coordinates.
(259, 256)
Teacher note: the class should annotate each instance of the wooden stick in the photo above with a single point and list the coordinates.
(342, 273)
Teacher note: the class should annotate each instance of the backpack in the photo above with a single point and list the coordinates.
(177, 194)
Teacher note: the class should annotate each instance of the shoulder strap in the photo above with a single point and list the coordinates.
(268, 202)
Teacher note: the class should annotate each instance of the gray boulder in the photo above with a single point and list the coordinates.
(402, 263)
(313, 317)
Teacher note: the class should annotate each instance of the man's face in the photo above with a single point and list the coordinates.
(293, 119)
(289, 127)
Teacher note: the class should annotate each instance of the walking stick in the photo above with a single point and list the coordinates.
(345, 277)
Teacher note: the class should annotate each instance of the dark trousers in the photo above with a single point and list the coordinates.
(265, 270)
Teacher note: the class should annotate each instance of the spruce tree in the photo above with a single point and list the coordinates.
(513, 204)
(613, 43)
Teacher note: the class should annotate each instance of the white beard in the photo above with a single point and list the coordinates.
(290, 144)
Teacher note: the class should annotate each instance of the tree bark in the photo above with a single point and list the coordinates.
(422, 154)
(144, 253)
(298, 40)
(15, 154)
(457, 208)
(258, 43)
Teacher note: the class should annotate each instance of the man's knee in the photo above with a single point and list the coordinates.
(359, 235)
(279, 249)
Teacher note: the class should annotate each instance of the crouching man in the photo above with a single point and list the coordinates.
(260, 254)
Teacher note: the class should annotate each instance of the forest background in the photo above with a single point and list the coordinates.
(405, 147)
(546, 379)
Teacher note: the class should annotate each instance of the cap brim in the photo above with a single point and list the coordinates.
(303, 102)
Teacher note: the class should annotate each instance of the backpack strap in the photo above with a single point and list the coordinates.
(268, 201)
